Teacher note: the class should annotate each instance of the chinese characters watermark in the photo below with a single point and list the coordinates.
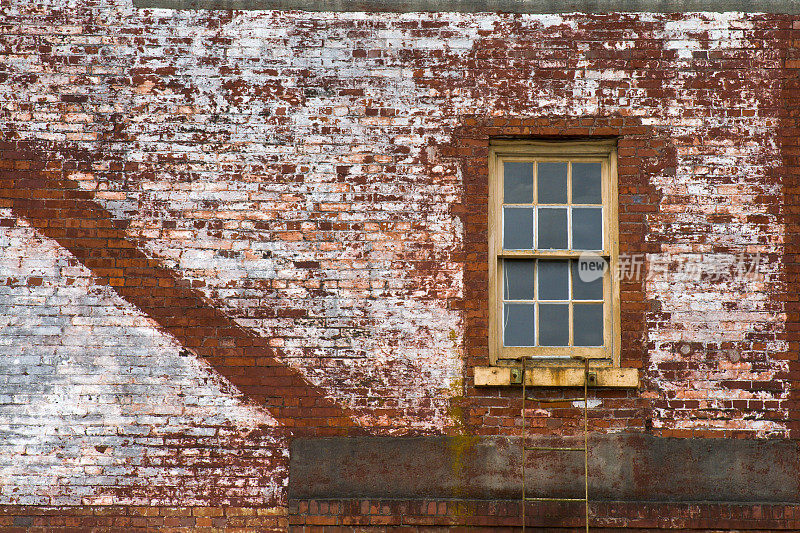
(688, 267)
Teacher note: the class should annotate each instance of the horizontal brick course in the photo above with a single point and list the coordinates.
(503, 515)
(116, 518)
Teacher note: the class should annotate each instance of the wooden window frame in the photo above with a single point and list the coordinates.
(603, 151)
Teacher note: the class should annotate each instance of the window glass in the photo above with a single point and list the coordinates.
(586, 183)
(518, 324)
(553, 325)
(587, 228)
(518, 228)
(588, 324)
(518, 279)
(517, 183)
(553, 280)
(588, 285)
(552, 300)
(552, 228)
(551, 183)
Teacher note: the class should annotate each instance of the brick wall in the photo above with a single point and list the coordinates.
(221, 230)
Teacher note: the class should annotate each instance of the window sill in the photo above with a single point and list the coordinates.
(497, 376)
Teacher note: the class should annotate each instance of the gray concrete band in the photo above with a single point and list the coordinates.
(630, 467)
(476, 6)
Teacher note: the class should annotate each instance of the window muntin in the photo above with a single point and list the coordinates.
(550, 205)
(563, 309)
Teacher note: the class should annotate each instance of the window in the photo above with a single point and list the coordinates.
(553, 250)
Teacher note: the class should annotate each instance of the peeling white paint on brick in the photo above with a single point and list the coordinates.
(724, 174)
(91, 389)
(362, 327)
(260, 170)
(706, 31)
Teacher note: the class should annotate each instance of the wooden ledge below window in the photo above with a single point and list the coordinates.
(499, 376)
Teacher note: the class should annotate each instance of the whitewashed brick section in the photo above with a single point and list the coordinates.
(376, 332)
(94, 395)
(722, 201)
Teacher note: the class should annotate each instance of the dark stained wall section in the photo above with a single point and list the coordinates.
(628, 467)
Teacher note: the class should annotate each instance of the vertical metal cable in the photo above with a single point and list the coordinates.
(586, 438)
(524, 366)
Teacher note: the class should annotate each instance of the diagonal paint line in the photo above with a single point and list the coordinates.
(58, 209)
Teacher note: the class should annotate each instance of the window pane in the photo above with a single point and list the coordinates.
(517, 183)
(553, 324)
(553, 280)
(551, 183)
(552, 228)
(518, 320)
(518, 279)
(517, 228)
(587, 228)
(587, 279)
(586, 183)
(588, 326)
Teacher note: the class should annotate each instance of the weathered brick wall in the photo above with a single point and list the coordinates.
(221, 228)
